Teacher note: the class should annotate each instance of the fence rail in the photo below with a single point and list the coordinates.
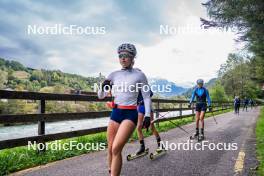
(42, 117)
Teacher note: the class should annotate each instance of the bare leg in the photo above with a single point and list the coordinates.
(125, 130)
(197, 119)
(139, 126)
(202, 118)
(111, 132)
(152, 126)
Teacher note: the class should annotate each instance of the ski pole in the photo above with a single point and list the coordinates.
(161, 116)
(179, 127)
(214, 117)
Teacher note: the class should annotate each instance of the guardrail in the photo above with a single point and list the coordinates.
(43, 117)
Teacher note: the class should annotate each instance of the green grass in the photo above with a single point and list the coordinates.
(19, 158)
(260, 142)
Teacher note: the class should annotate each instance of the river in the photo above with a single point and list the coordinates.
(18, 131)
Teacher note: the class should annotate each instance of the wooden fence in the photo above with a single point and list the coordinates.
(42, 117)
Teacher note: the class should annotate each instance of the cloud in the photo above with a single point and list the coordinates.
(175, 57)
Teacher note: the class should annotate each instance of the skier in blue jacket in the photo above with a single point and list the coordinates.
(201, 94)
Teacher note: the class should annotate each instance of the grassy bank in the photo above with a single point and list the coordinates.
(260, 142)
(19, 158)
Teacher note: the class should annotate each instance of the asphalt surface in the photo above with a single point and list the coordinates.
(230, 129)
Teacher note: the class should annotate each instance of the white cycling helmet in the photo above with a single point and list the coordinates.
(127, 47)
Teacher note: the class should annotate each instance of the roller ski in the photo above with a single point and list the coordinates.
(195, 136)
(201, 138)
(158, 152)
(142, 152)
(198, 136)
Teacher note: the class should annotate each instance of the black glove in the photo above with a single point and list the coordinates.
(189, 105)
(106, 85)
(146, 122)
(210, 108)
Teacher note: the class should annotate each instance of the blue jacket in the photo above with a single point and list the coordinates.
(201, 94)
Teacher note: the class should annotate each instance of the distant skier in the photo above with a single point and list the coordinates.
(251, 103)
(237, 104)
(246, 102)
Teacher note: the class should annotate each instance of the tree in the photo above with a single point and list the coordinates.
(3, 79)
(236, 77)
(43, 83)
(36, 75)
(246, 18)
(217, 92)
(10, 75)
(55, 77)
(2, 63)
(15, 65)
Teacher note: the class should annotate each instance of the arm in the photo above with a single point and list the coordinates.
(193, 96)
(101, 93)
(146, 96)
(208, 97)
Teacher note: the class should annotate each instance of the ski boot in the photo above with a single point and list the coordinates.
(201, 137)
(196, 135)
(140, 153)
(158, 152)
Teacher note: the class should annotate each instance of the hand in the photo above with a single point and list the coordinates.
(146, 122)
(210, 108)
(106, 85)
(189, 105)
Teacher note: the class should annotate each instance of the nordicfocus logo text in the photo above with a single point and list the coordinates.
(71, 145)
(59, 29)
(125, 87)
(204, 145)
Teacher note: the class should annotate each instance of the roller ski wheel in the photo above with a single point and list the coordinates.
(157, 153)
(201, 138)
(195, 136)
(131, 157)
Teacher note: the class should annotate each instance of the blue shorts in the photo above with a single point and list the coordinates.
(201, 107)
(118, 115)
(141, 109)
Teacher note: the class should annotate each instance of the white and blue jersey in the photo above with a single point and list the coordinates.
(124, 91)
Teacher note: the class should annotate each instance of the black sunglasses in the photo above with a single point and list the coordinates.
(122, 56)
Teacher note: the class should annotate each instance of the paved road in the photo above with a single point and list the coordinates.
(230, 129)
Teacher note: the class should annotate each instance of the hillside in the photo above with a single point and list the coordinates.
(16, 76)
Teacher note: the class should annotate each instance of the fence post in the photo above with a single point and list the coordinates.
(41, 124)
(157, 113)
(180, 106)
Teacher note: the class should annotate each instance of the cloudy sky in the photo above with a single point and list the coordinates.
(184, 54)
